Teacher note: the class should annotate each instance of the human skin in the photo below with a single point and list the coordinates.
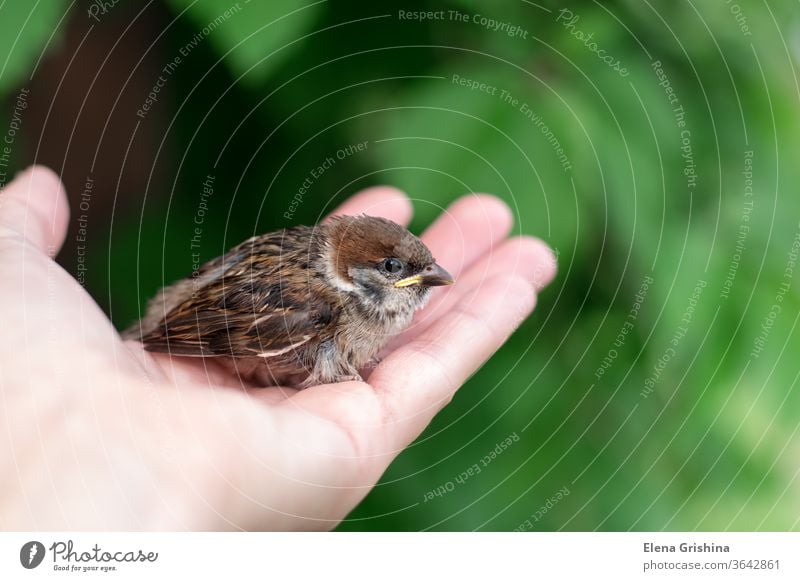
(98, 434)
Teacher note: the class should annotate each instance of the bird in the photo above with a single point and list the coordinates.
(299, 307)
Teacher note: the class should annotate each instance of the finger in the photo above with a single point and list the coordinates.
(524, 256)
(527, 257)
(34, 207)
(418, 379)
(468, 229)
(382, 201)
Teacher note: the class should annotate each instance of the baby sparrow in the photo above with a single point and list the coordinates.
(301, 306)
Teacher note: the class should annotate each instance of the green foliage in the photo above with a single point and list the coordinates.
(252, 36)
(26, 31)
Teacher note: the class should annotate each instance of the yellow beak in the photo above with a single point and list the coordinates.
(434, 275)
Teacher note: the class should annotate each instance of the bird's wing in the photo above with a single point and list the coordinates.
(256, 306)
(209, 333)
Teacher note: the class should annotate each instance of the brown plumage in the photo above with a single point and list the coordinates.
(301, 306)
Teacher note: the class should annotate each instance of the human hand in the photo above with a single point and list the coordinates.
(101, 434)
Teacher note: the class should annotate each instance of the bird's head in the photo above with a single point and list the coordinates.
(382, 263)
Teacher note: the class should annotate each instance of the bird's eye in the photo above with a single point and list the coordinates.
(392, 265)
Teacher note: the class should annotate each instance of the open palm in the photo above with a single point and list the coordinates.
(104, 435)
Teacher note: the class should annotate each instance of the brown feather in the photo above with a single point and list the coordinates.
(291, 306)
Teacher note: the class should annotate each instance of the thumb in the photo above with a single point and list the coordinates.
(33, 207)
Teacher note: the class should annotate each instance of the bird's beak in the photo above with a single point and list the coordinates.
(434, 275)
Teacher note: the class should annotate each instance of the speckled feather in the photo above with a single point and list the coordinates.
(299, 306)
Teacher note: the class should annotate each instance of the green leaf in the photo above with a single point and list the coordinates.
(253, 37)
(451, 140)
(25, 31)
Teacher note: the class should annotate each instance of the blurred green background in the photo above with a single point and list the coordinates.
(653, 145)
